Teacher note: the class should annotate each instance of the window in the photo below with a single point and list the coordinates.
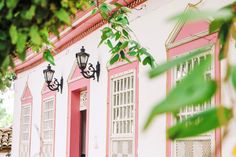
(122, 131)
(200, 146)
(25, 123)
(47, 128)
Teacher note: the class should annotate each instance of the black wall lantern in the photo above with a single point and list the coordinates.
(48, 76)
(82, 60)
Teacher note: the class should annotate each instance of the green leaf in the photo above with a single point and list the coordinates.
(109, 44)
(105, 8)
(124, 45)
(215, 25)
(3, 35)
(13, 34)
(114, 59)
(122, 54)
(117, 35)
(118, 5)
(223, 36)
(20, 45)
(126, 34)
(29, 14)
(194, 15)
(35, 36)
(2, 46)
(192, 90)
(94, 11)
(132, 53)
(233, 76)
(11, 4)
(201, 123)
(116, 48)
(1, 4)
(147, 60)
(48, 57)
(63, 16)
(172, 63)
(6, 62)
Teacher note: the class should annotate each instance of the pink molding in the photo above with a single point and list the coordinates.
(111, 72)
(27, 99)
(46, 95)
(187, 29)
(76, 73)
(187, 47)
(73, 123)
(78, 32)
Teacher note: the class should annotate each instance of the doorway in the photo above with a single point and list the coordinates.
(83, 129)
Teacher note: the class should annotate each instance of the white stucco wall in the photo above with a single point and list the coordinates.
(151, 29)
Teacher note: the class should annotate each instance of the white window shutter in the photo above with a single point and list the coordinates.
(200, 146)
(48, 128)
(25, 130)
(122, 114)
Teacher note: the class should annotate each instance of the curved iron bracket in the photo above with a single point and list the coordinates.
(56, 86)
(90, 73)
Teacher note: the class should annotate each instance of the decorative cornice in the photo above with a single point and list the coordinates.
(89, 25)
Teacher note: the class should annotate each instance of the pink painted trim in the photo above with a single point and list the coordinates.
(111, 72)
(187, 30)
(73, 131)
(187, 47)
(80, 29)
(26, 100)
(47, 95)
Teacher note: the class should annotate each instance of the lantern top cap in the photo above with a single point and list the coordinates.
(82, 52)
(82, 49)
(49, 67)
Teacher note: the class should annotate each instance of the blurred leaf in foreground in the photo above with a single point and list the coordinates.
(192, 90)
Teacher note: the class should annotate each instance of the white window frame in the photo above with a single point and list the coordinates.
(210, 49)
(123, 136)
(48, 141)
(25, 142)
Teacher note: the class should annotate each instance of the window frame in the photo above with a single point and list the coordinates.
(47, 98)
(117, 71)
(209, 49)
(28, 104)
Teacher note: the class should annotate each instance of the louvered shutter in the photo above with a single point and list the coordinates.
(48, 128)
(122, 114)
(201, 146)
(25, 130)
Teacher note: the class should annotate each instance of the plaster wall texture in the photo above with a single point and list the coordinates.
(151, 28)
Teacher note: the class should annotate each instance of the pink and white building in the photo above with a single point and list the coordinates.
(106, 118)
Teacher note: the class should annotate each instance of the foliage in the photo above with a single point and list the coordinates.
(5, 118)
(117, 36)
(194, 88)
(26, 24)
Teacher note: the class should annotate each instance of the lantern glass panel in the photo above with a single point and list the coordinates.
(82, 59)
(50, 74)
